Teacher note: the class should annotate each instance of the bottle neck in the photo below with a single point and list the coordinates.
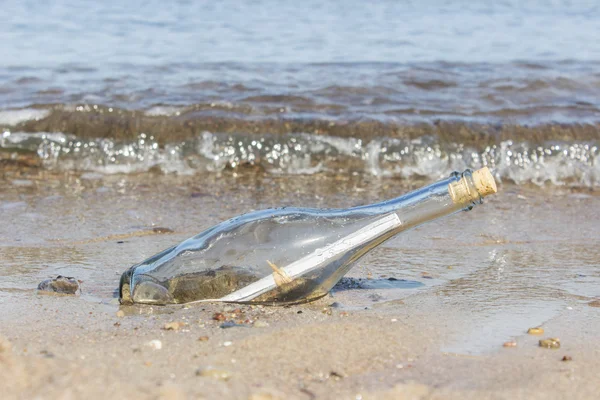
(439, 189)
(455, 193)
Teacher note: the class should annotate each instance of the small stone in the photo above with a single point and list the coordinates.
(511, 343)
(203, 338)
(227, 344)
(174, 326)
(120, 314)
(594, 303)
(47, 354)
(60, 284)
(219, 317)
(215, 373)
(231, 324)
(551, 343)
(155, 344)
(335, 375)
(160, 229)
(535, 331)
(260, 324)
(567, 358)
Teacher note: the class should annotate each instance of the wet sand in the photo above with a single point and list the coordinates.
(465, 285)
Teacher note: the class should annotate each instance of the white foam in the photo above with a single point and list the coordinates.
(167, 111)
(555, 163)
(17, 116)
(346, 146)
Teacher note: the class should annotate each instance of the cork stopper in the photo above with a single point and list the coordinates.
(484, 182)
(463, 191)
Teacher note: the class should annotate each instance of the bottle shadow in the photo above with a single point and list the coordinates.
(375, 284)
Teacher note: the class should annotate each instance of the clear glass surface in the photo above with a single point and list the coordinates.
(284, 255)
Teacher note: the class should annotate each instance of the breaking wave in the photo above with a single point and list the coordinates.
(574, 163)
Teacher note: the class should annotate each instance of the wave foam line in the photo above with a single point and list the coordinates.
(574, 163)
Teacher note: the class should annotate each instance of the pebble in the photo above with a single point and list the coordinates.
(335, 375)
(219, 317)
(511, 343)
(120, 313)
(567, 358)
(174, 326)
(231, 324)
(203, 338)
(47, 354)
(155, 344)
(550, 343)
(160, 229)
(226, 344)
(219, 374)
(535, 331)
(260, 324)
(594, 303)
(60, 284)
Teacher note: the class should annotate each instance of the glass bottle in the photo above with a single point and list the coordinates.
(290, 255)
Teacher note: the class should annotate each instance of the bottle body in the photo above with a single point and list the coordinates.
(284, 255)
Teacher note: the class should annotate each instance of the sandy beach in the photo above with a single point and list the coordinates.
(129, 127)
(465, 286)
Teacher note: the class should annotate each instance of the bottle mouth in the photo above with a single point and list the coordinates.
(125, 287)
(473, 186)
(484, 181)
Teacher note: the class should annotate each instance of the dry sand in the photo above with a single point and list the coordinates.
(67, 348)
